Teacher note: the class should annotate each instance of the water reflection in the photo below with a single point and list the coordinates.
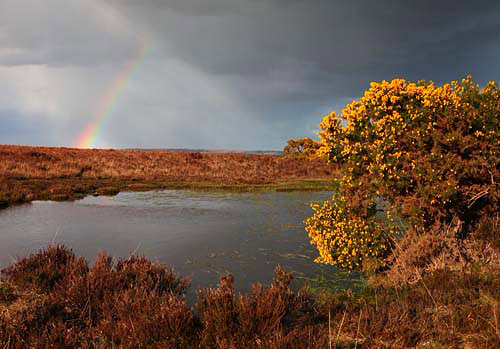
(200, 234)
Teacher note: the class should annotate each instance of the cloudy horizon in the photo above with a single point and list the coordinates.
(221, 74)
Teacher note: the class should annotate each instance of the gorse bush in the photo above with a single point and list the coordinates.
(302, 148)
(428, 156)
(343, 238)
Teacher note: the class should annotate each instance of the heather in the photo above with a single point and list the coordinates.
(416, 211)
(42, 173)
(54, 298)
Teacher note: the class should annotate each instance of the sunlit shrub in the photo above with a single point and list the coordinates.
(135, 303)
(44, 270)
(230, 320)
(302, 148)
(64, 302)
(429, 154)
(344, 238)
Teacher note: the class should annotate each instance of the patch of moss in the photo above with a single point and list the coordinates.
(107, 191)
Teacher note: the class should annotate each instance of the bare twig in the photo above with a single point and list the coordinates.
(492, 179)
(134, 251)
(329, 330)
(340, 328)
(55, 236)
(476, 197)
(357, 332)
(426, 288)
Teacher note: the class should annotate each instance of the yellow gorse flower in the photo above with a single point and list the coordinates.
(380, 141)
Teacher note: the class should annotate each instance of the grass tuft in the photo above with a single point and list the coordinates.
(54, 298)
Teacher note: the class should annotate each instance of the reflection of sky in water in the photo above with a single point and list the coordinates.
(171, 198)
(200, 234)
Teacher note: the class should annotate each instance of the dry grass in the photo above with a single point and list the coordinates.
(46, 163)
(418, 255)
(38, 173)
(53, 298)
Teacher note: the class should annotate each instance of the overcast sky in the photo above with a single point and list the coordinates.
(228, 74)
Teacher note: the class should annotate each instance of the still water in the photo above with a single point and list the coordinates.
(199, 234)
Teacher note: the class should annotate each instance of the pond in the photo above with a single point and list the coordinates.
(199, 234)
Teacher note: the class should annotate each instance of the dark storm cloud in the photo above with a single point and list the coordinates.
(59, 32)
(272, 67)
(256, 37)
(332, 48)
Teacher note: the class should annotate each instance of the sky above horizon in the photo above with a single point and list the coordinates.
(220, 74)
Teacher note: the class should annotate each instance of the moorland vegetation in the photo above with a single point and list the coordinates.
(42, 173)
(55, 299)
(416, 210)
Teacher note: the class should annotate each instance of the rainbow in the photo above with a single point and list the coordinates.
(108, 100)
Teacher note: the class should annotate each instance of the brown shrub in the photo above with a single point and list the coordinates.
(42, 271)
(136, 303)
(230, 320)
(63, 302)
(415, 256)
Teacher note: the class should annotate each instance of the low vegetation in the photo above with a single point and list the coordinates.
(416, 211)
(37, 173)
(54, 298)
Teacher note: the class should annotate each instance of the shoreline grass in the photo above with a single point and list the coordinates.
(22, 191)
(60, 174)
